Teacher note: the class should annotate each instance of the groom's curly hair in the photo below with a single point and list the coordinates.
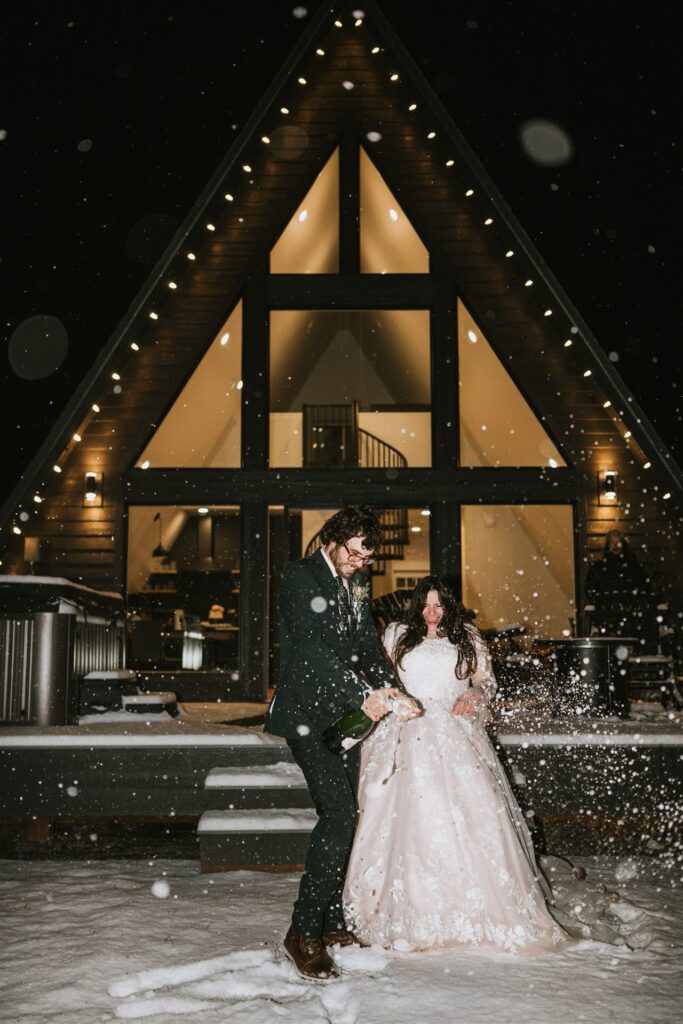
(353, 521)
(455, 625)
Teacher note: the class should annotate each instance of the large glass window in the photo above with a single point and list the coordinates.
(389, 244)
(497, 425)
(350, 388)
(184, 585)
(518, 566)
(203, 426)
(310, 242)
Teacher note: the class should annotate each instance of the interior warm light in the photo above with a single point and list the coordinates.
(57, 469)
(229, 196)
(95, 407)
(77, 437)
(154, 316)
(191, 256)
(172, 285)
(302, 216)
(210, 227)
(226, 338)
(393, 214)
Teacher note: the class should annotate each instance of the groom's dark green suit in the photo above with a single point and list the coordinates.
(317, 682)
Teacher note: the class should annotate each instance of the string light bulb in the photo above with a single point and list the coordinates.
(210, 227)
(172, 285)
(134, 345)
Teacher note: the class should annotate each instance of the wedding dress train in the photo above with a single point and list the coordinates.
(442, 855)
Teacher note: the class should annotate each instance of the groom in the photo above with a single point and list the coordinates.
(327, 639)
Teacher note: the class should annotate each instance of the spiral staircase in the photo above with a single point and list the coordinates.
(333, 440)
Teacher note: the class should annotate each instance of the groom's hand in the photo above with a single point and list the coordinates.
(376, 705)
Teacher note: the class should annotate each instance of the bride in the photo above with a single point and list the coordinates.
(442, 855)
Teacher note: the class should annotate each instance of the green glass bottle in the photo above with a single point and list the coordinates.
(348, 730)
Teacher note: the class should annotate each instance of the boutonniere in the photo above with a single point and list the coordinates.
(359, 591)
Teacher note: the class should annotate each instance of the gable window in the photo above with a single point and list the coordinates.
(349, 388)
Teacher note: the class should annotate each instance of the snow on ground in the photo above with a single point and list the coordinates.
(94, 942)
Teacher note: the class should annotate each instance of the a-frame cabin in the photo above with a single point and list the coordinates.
(350, 313)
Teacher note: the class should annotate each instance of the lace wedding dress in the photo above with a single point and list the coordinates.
(442, 854)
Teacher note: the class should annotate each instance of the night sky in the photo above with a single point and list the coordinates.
(120, 112)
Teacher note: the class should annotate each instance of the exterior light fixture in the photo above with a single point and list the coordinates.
(607, 491)
(92, 490)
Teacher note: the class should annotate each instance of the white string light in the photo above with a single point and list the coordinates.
(154, 316)
(134, 345)
(77, 438)
(172, 285)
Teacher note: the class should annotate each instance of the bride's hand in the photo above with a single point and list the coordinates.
(405, 707)
(467, 704)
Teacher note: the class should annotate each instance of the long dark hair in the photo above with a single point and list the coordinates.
(454, 625)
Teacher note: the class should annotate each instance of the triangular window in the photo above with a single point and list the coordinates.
(203, 426)
(389, 244)
(497, 425)
(310, 242)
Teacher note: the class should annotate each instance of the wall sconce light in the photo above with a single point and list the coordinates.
(92, 490)
(607, 487)
(31, 551)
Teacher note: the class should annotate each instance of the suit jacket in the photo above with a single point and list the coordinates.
(318, 677)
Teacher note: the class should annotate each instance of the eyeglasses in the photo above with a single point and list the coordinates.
(356, 556)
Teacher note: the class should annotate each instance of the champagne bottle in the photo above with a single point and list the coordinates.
(348, 730)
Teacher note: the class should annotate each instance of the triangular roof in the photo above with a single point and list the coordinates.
(446, 192)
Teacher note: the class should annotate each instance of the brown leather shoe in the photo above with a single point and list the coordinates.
(310, 957)
(342, 937)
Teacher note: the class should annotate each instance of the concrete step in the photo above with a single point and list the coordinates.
(256, 838)
(278, 785)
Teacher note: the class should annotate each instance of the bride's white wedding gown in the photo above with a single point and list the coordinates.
(442, 855)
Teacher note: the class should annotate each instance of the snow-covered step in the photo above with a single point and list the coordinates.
(263, 785)
(282, 773)
(271, 837)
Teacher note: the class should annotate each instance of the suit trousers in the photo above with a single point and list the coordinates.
(332, 781)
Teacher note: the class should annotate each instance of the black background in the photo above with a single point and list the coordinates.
(161, 87)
